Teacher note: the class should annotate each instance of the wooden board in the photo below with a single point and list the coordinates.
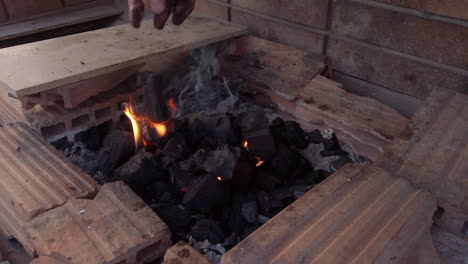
(44, 65)
(360, 214)
(55, 21)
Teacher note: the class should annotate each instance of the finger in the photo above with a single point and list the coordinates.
(159, 21)
(136, 11)
(157, 6)
(182, 11)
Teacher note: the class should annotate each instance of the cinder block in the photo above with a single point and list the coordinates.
(279, 32)
(452, 8)
(423, 37)
(392, 71)
(114, 227)
(26, 8)
(311, 12)
(210, 8)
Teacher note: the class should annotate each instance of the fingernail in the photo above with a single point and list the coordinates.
(158, 6)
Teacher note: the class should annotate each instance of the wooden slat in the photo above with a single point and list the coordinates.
(360, 214)
(55, 21)
(44, 65)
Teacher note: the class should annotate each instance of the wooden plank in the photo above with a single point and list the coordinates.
(55, 21)
(44, 65)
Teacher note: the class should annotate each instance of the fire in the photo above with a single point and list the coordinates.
(160, 128)
(260, 162)
(219, 178)
(245, 143)
(133, 119)
(171, 105)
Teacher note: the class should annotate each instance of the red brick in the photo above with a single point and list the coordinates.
(114, 227)
(76, 2)
(308, 12)
(435, 40)
(209, 8)
(450, 8)
(392, 71)
(25, 8)
(183, 253)
(360, 214)
(3, 15)
(279, 32)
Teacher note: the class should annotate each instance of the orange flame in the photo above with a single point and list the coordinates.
(160, 128)
(260, 162)
(245, 143)
(136, 128)
(219, 178)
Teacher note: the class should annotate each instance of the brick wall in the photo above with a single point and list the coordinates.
(19, 10)
(410, 46)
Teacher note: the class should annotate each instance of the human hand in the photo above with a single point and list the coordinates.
(162, 9)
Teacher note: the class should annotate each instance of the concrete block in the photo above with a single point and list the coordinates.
(311, 12)
(76, 2)
(452, 8)
(3, 14)
(423, 37)
(26, 8)
(279, 32)
(210, 8)
(391, 71)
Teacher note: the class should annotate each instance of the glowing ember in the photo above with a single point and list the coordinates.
(172, 106)
(160, 128)
(260, 162)
(136, 128)
(219, 178)
(245, 144)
